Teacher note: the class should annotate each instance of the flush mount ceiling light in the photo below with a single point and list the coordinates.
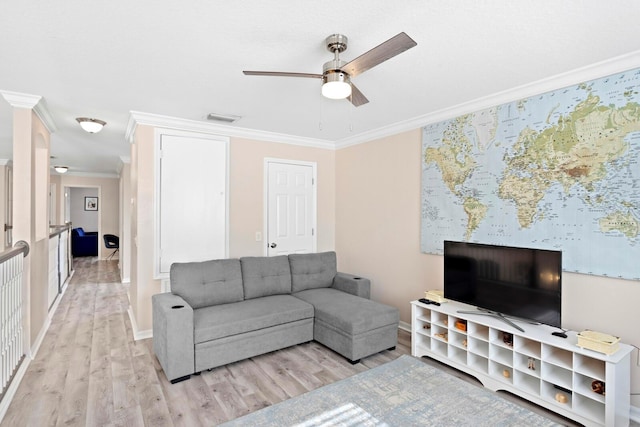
(91, 125)
(61, 169)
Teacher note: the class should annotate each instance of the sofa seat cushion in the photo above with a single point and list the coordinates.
(225, 320)
(349, 313)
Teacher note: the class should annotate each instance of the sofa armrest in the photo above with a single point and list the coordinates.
(173, 335)
(355, 285)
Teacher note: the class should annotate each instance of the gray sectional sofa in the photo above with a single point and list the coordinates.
(222, 311)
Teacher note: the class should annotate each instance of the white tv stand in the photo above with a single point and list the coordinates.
(536, 365)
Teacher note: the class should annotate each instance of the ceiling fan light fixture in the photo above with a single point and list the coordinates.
(91, 125)
(336, 85)
(61, 169)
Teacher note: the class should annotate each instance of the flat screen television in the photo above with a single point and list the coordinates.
(505, 281)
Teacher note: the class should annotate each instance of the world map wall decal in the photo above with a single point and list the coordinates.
(560, 170)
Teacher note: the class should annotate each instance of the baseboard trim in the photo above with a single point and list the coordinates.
(404, 326)
(634, 414)
(137, 334)
(38, 342)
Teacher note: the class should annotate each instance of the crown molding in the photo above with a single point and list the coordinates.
(139, 118)
(590, 72)
(90, 174)
(124, 160)
(21, 100)
(32, 102)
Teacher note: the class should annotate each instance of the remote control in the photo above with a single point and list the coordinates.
(428, 301)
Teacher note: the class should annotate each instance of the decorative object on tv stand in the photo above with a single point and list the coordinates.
(507, 338)
(435, 295)
(90, 203)
(91, 125)
(598, 341)
(531, 363)
(561, 398)
(597, 386)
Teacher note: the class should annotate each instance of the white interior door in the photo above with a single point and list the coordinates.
(291, 207)
(192, 200)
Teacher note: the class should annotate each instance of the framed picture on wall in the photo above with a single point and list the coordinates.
(90, 203)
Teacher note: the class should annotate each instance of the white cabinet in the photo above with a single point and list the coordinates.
(550, 371)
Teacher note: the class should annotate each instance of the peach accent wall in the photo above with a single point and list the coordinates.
(246, 192)
(30, 156)
(378, 236)
(143, 285)
(378, 219)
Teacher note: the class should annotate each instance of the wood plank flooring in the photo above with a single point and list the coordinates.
(90, 372)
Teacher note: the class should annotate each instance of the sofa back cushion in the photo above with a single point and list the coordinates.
(202, 284)
(264, 276)
(311, 271)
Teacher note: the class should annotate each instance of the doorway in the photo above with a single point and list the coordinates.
(290, 208)
(82, 207)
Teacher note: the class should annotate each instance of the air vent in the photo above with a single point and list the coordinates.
(227, 118)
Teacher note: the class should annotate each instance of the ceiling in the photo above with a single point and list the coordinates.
(184, 59)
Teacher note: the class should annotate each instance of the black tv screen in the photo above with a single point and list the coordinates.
(523, 283)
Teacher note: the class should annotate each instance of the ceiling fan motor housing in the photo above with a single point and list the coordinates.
(336, 43)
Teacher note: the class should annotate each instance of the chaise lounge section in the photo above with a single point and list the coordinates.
(222, 311)
(345, 319)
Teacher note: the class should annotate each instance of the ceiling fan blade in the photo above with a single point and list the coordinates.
(357, 98)
(387, 50)
(281, 74)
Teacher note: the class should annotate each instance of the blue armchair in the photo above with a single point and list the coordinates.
(84, 243)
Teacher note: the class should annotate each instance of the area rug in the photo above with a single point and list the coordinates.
(404, 392)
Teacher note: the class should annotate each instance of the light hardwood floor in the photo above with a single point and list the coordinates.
(89, 371)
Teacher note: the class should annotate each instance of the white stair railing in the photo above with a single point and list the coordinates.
(11, 316)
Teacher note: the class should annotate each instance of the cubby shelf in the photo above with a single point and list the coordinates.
(550, 371)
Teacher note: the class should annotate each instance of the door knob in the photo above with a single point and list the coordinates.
(273, 245)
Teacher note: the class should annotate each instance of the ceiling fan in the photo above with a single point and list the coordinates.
(337, 74)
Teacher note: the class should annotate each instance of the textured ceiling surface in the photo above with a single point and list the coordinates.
(185, 60)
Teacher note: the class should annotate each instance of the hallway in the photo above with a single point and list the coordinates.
(83, 373)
